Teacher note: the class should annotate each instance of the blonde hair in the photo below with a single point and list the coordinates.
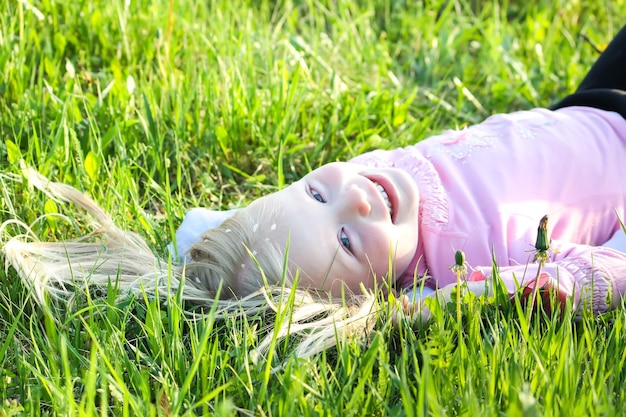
(238, 257)
(236, 268)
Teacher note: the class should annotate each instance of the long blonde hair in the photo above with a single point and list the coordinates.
(235, 268)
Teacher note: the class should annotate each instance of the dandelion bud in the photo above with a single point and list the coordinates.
(459, 258)
(459, 267)
(542, 243)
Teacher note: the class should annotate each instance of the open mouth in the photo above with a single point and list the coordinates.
(385, 196)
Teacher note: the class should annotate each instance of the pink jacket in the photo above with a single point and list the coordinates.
(483, 190)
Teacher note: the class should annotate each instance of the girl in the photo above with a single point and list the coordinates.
(403, 213)
(397, 218)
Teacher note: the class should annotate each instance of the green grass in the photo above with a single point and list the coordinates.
(153, 108)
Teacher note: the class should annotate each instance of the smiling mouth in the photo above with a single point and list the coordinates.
(385, 196)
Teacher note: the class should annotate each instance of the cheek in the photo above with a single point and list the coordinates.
(407, 240)
(353, 282)
(393, 245)
(407, 245)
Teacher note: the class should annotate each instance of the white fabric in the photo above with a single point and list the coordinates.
(617, 242)
(196, 222)
(416, 294)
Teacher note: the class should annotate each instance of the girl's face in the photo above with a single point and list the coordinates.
(348, 223)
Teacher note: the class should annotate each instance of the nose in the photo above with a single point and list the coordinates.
(355, 200)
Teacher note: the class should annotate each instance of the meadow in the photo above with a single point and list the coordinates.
(154, 107)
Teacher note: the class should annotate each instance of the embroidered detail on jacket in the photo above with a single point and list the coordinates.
(460, 144)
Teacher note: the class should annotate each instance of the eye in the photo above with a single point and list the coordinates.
(316, 195)
(345, 240)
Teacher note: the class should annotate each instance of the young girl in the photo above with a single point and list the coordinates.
(395, 218)
(483, 190)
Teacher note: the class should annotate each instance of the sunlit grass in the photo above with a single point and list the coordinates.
(156, 107)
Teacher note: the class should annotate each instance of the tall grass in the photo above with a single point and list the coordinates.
(156, 107)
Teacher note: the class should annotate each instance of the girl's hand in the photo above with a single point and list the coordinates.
(419, 314)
